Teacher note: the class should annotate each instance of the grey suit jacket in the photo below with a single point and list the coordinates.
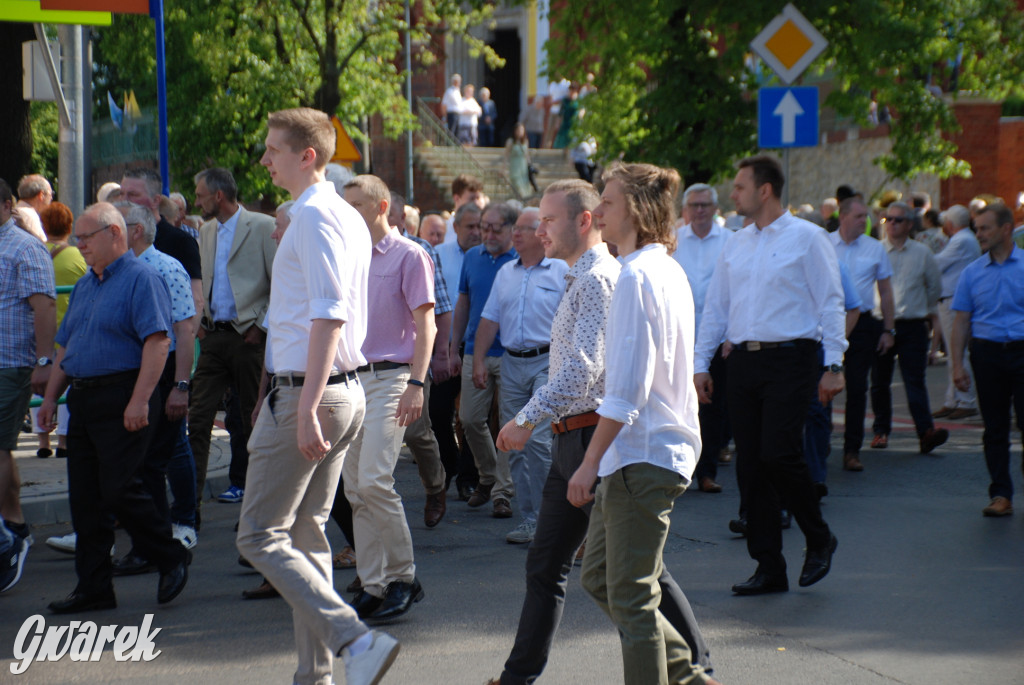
(249, 266)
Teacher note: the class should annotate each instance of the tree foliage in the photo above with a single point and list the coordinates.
(230, 62)
(677, 86)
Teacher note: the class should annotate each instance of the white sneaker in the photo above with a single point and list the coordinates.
(522, 534)
(63, 543)
(186, 535)
(367, 668)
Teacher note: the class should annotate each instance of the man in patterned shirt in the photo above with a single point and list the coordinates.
(573, 391)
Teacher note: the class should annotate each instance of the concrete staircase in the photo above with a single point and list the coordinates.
(442, 164)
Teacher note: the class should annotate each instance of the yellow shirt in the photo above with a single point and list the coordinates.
(68, 267)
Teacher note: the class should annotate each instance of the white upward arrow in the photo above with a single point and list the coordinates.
(789, 109)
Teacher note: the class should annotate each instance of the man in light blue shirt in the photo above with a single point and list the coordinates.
(961, 250)
(522, 306)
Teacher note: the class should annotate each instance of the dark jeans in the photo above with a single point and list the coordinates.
(104, 465)
(181, 477)
(561, 529)
(341, 512)
(768, 394)
(238, 431)
(458, 463)
(999, 374)
(535, 139)
(860, 357)
(712, 422)
(912, 349)
(486, 135)
(452, 120)
(818, 431)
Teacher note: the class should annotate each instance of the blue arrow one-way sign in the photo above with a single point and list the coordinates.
(787, 117)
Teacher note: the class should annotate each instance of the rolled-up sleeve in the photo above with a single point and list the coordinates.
(629, 369)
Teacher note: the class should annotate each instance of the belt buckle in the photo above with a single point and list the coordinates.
(754, 346)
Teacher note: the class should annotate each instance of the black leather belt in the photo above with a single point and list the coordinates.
(535, 352)
(755, 346)
(100, 381)
(1013, 345)
(296, 381)
(380, 366)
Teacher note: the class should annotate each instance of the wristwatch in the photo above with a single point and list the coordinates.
(181, 385)
(523, 422)
(892, 332)
(44, 361)
(834, 368)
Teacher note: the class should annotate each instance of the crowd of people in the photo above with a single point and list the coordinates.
(574, 366)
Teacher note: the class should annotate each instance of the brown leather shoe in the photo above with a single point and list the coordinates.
(502, 508)
(851, 462)
(480, 496)
(433, 512)
(943, 412)
(999, 506)
(724, 456)
(264, 591)
(958, 414)
(880, 441)
(709, 485)
(933, 438)
(579, 554)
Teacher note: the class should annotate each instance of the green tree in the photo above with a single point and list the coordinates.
(676, 85)
(230, 62)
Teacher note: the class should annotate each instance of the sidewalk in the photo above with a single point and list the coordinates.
(44, 482)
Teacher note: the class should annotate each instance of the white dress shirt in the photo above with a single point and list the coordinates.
(961, 250)
(222, 300)
(775, 284)
(320, 272)
(649, 367)
(523, 301)
(452, 100)
(698, 257)
(867, 262)
(451, 256)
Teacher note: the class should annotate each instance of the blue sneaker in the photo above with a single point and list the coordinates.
(12, 565)
(232, 495)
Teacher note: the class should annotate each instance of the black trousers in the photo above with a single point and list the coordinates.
(458, 463)
(912, 350)
(769, 393)
(712, 422)
(860, 357)
(999, 374)
(104, 477)
(561, 529)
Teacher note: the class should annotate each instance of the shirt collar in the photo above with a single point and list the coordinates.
(1012, 257)
(307, 195)
(386, 243)
(687, 231)
(231, 223)
(544, 262)
(114, 267)
(650, 247)
(9, 224)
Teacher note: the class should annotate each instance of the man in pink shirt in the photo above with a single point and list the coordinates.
(399, 339)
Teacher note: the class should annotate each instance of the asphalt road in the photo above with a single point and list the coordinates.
(923, 591)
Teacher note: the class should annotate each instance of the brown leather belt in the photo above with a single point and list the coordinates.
(576, 422)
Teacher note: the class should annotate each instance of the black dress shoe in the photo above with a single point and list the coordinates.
(365, 604)
(738, 526)
(818, 563)
(242, 561)
(77, 602)
(173, 582)
(264, 591)
(398, 599)
(465, 491)
(132, 565)
(762, 583)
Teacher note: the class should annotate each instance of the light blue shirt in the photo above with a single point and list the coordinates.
(868, 263)
(451, 256)
(222, 300)
(183, 307)
(523, 302)
(993, 294)
(961, 250)
(698, 257)
(853, 300)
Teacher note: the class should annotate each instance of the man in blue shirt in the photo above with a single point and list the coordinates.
(989, 306)
(113, 345)
(479, 268)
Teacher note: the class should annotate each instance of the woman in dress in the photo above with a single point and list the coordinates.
(517, 156)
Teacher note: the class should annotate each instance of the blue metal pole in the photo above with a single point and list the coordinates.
(156, 11)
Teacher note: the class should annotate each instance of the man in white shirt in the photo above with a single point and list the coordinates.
(961, 250)
(647, 440)
(522, 305)
(869, 268)
(34, 194)
(698, 245)
(775, 293)
(451, 103)
(469, 117)
(317, 322)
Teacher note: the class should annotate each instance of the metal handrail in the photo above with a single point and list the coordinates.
(434, 132)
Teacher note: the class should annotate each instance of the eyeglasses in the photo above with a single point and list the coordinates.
(86, 237)
(493, 228)
(700, 205)
(895, 219)
(523, 229)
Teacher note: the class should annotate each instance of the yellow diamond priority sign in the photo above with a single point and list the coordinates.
(789, 43)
